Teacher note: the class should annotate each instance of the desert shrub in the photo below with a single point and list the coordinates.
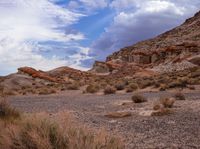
(179, 96)
(157, 106)
(43, 91)
(109, 90)
(73, 86)
(8, 92)
(163, 87)
(43, 133)
(6, 111)
(145, 83)
(167, 102)
(46, 91)
(132, 87)
(138, 98)
(162, 112)
(120, 85)
(177, 83)
(163, 107)
(193, 81)
(92, 88)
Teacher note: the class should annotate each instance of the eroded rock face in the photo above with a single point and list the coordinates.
(182, 41)
(36, 74)
(105, 67)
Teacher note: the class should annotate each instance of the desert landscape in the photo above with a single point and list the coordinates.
(144, 96)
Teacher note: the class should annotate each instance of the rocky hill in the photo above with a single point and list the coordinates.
(176, 45)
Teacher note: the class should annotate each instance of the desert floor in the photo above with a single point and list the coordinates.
(180, 129)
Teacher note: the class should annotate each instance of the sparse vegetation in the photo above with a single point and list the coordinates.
(93, 88)
(46, 91)
(167, 102)
(73, 86)
(7, 112)
(162, 112)
(120, 86)
(179, 96)
(137, 98)
(132, 87)
(163, 106)
(39, 132)
(109, 90)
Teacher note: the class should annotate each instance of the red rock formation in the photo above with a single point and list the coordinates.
(36, 74)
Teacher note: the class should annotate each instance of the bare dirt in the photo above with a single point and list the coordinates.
(181, 129)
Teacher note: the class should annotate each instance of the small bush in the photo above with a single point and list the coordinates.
(179, 96)
(120, 86)
(138, 98)
(6, 111)
(43, 133)
(163, 87)
(162, 112)
(109, 90)
(177, 84)
(73, 86)
(46, 91)
(167, 102)
(157, 106)
(145, 83)
(92, 89)
(132, 87)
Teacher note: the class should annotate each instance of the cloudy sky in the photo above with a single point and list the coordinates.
(46, 34)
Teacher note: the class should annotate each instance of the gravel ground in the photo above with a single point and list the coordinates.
(181, 129)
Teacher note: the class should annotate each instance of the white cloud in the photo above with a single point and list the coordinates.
(138, 20)
(95, 3)
(87, 6)
(151, 6)
(25, 24)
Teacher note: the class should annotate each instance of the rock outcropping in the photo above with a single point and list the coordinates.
(174, 46)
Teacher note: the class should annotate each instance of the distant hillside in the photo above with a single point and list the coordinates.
(182, 41)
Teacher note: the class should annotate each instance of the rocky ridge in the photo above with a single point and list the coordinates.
(174, 46)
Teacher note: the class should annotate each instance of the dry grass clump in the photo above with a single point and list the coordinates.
(163, 106)
(162, 112)
(37, 132)
(167, 102)
(138, 98)
(109, 90)
(92, 88)
(118, 114)
(120, 85)
(144, 83)
(132, 87)
(73, 86)
(7, 112)
(46, 91)
(179, 96)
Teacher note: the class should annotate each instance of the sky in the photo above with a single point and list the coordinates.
(46, 34)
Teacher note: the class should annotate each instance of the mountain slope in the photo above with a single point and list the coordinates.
(184, 38)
